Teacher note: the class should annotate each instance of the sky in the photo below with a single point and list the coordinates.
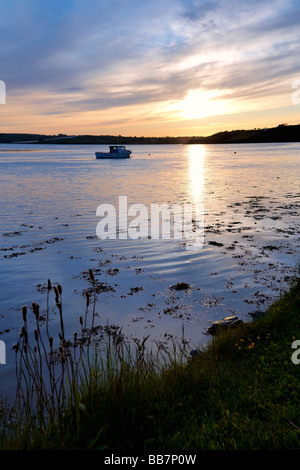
(148, 67)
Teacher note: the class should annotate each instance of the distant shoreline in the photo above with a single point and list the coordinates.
(280, 134)
(18, 150)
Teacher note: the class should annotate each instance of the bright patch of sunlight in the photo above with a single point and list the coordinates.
(198, 104)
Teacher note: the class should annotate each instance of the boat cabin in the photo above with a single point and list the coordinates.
(117, 148)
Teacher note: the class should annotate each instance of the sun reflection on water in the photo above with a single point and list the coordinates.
(196, 158)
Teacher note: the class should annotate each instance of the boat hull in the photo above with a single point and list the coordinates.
(111, 155)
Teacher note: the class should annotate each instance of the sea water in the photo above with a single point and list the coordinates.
(249, 195)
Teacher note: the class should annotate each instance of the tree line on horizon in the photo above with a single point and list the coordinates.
(281, 133)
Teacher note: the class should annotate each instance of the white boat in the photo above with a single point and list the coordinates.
(115, 151)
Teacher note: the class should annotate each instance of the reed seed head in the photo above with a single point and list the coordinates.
(24, 313)
(62, 352)
(24, 335)
(36, 309)
(56, 294)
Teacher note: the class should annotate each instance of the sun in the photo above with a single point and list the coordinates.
(199, 103)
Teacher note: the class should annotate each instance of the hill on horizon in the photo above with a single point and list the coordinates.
(281, 133)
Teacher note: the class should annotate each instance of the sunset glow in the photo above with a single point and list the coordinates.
(198, 104)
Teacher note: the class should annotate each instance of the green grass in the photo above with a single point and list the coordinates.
(242, 392)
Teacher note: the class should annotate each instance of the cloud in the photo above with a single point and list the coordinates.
(84, 55)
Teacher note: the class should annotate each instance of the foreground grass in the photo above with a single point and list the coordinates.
(242, 392)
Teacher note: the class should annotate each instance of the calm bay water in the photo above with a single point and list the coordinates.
(49, 196)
